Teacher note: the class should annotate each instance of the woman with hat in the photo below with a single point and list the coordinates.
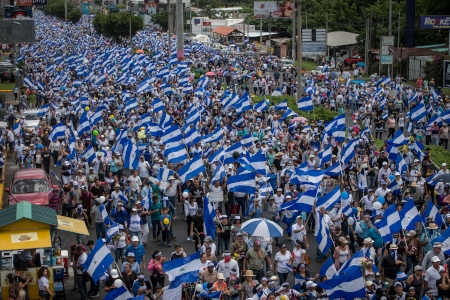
(341, 253)
(248, 285)
(412, 250)
(428, 236)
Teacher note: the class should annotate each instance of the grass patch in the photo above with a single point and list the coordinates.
(308, 65)
(446, 91)
(6, 86)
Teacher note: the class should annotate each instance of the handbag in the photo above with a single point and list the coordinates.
(358, 229)
(307, 259)
(86, 277)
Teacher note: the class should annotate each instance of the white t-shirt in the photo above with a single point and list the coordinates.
(282, 260)
(81, 260)
(143, 170)
(298, 235)
(278, 200)
(298, 255)
(42, 283)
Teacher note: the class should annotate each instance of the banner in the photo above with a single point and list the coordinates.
(434, 22)
(273, 9)
(387, 50)
(446, 74)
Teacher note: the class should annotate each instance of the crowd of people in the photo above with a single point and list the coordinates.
(77, 81)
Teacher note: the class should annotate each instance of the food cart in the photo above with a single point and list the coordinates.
(28, 226)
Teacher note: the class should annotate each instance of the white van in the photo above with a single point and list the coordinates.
(285, 64)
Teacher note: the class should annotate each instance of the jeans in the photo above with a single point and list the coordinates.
(120, 254)
(258, 274)
(241, 202)
(269, 254)
(166, 236)
(282, 276)
(371, 180)
(411, 262)
(82, 287)
(95, 287)
(100, 229)
(156, 228)
(223, 244)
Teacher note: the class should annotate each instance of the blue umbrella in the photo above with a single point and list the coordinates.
(361, 64)
(262, 227)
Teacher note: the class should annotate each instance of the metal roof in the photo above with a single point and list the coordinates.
(26, 210)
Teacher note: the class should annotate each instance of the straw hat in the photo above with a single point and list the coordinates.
(249, 273)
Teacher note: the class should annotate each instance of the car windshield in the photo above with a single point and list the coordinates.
(26, 186)
(32, 116)
(10, 69)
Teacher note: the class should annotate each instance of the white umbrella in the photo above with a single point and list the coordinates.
(262, 227)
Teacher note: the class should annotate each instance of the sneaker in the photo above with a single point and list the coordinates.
(189, 238)
(95, 295)
(173, 237)
(75, 287)
(90, 293)
(168, 245)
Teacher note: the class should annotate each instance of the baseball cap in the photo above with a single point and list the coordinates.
(135, 239)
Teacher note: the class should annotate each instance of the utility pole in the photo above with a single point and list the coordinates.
(366, 50)
(398, 33)
(180, 35)
(65, 10)
(299, 50)
(260, 31)
(169, 13)
(326, 34)
(293, 33)
(131, 38)
(390, 31)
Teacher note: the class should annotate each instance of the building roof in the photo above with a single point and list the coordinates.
(26, 210)
(225, 30)
(341, 38)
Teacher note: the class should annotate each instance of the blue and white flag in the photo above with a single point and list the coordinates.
(329, 199)
(59, 131)
(409, 215)
(325, 154)
(215, 295)
(208, 218)
(228, 153)
(307, 177)
(247, 140)
(401, 165)
(348, 285)
(432, 212)
(176, 154)
(219, 173)
(119, 294)
(336, 122)
(214, 136)
(243, 182)
(261, 106)
(418, 112)
(84, 125)
(394, 187)
(17, 128)
(182, 270)
(389, 224)
(328, 268)
(43, 110)
(282, 105)
(444, 239)
(304, 201)
(258, 162)
(398, 139)
(383, 81)
(289, 113)
(98, 261)
(324, 242)
(348, 152)
(89, 153)
(305, 104)
(164, 174)
(413, 97)
(194, 167)
(355, 260)
(130, 156)
(56, 177)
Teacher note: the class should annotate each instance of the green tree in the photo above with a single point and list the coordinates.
(161, 19)
(117, 25)
(74, 16)
(56, 8)
(434, 69)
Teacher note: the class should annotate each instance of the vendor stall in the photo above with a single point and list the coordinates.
(25, 227)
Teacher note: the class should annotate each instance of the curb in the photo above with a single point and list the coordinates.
(2, 186)
(6, 91)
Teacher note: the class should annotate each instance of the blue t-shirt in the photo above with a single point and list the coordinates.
(139, 252)
(162, 220)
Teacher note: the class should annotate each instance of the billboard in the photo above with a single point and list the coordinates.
(274, 9)
(387, 50)
(446, 74)
(17, 31)
(313, 47)
(434, 22)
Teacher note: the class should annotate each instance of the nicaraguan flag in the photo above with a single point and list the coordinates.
(194, 167)
(219, 173)
(130, 156)
(328, 268)
(394, 187)
(398, 139)
(247, 140)
(214, 136)
(324, 242)
(289, 113)
(89, 154)
(305, 104)
(409, 215)
(208, 217)
(355, 260)
(59, 131)
(119, 294)
(432, 212)
(444, 239)
(98, 261)
(329, 199)
(192, 137)
(243, 182)
(228, 154)
(28, 82)
(282, 105)
(164, 174)
(384, 81)
(176, 154)
(401, 165)
(347, 210)
(336, 122)
(348, 152)
(17, 129)
(182, 270)
(261, 106)
(172, 134)
(193, 117)
(307, 177)
(215, 295)
(216, 156)
(43, 110)
(325, 154)
(418, 112)
(258, 162)
(413, 97)
(389, 224)
(304, 201)
(349, 285)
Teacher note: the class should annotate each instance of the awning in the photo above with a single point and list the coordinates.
(72, 225)
(25, 239)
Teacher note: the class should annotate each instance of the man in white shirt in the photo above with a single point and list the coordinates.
(81, 260)
(318, 216)
(299, 232)
(433, 274)
(336, 215)
(143, 168)
(279, 198)
(382, 190)
(444, 169)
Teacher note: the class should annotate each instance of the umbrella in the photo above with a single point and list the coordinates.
(140, 51)
(262, 227)
(299, 119)
(442, 178)
(210, 74)
(361, 64)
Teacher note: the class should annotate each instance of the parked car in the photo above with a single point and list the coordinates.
(31, 185)
(353, 60)
(317, 71)
(6, 72)
(285, 64)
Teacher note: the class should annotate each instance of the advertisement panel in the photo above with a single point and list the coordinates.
(434, 22)
(313, 47)
(446, 74)
(273, 9)
(387, 50)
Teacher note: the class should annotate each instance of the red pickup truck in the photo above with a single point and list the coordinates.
(353, 60)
